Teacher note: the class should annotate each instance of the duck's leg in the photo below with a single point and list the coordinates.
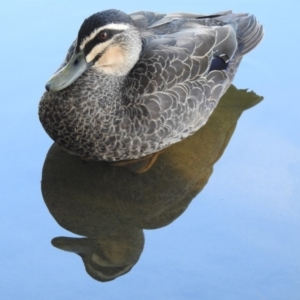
(140, 165)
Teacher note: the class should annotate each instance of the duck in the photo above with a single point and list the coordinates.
(132, 85)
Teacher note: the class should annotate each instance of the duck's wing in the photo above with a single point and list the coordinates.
(173, 83)
(181, 45)
(172, 86)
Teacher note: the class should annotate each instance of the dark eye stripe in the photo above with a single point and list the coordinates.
(98, 40)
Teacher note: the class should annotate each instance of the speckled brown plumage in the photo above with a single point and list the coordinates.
(168, 95)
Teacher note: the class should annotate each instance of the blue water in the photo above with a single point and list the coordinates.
(238, 239)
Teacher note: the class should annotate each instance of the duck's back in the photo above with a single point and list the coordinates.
(248, 31)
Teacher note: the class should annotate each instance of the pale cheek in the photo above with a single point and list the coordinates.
(112, 57)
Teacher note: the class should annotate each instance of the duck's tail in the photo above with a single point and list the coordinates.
(248, 30)
(249, 33)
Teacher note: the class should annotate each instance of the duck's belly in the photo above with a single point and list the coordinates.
(95, 135)
(90, 140)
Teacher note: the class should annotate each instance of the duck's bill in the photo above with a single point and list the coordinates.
(68, 74)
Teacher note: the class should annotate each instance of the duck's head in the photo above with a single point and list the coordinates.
(108, 42)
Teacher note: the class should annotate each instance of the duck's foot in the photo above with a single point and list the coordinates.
(140, 165)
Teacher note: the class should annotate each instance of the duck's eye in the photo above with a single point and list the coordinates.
(103, 35)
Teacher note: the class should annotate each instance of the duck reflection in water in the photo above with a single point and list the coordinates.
(111, 206)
